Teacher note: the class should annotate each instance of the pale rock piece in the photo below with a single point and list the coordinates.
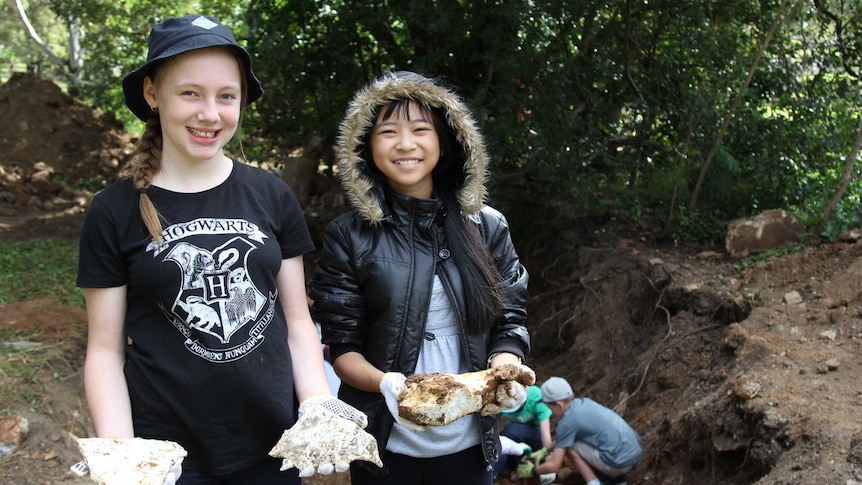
(132, 461)
(321, 437)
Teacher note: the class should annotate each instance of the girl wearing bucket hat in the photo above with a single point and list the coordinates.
(199, 329)
(420, 276)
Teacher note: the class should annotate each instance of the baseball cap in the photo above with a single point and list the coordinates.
(175, 36)
(556, 389)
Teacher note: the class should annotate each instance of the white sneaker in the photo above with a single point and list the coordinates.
(547, 478)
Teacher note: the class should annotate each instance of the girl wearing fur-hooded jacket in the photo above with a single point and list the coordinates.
(420, 276)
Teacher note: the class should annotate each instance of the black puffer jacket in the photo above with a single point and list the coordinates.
(373, 282)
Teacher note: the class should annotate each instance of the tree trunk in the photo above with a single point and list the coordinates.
(829, 211)
(734, 104)
(22, 13)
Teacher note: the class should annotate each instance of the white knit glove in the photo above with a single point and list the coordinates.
(175, 473)
(340, 409)
(391, 386)
(336, 406)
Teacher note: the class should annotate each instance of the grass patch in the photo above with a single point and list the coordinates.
(21, 374)
(32, 269)
(39, 268)
(24, 368)
(785, 250)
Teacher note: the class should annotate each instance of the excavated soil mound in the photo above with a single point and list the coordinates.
(54, 150)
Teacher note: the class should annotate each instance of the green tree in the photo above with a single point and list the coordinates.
(92, 44)
(591, 108)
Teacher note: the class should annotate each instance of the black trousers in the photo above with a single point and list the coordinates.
(266, 472)
(463, 468)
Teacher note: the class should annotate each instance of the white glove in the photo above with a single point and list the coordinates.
(175, 473)
(511, 447)
(512, 394)
(81, 469)
(340, 409)
(323, 468)
(335, 406)
(391, 387)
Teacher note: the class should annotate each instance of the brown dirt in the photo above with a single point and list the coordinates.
(728, 376)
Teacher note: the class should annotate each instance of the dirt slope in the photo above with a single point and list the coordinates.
(732, 373)
(731, 376)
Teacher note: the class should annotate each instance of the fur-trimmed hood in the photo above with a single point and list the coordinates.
(360, 118)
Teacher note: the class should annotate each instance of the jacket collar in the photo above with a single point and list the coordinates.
(402, 209)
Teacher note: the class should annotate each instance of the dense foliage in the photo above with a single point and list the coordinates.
(681, 115)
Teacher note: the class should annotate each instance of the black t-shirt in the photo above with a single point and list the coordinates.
(208, 365)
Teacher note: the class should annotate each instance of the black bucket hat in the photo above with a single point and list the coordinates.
(175, 36)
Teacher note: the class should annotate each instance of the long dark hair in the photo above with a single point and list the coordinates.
(471, 255)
